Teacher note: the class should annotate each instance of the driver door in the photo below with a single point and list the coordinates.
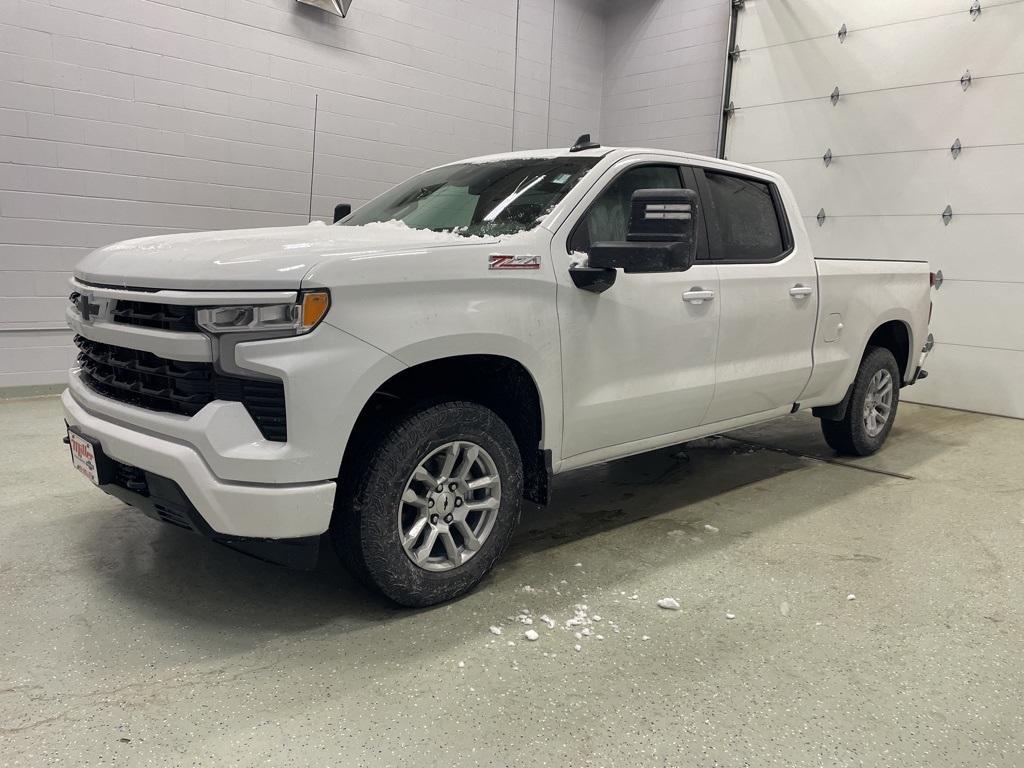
(638, 360)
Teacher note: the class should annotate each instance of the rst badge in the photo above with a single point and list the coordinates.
(517, 261)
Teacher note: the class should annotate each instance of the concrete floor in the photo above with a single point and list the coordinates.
(124, 641)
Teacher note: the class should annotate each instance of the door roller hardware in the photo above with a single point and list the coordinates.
(821, 217)
(965, 79)
(975, 10)
(835, 96)
(842, 34)
(956, 149)
(947, 215)
(827, 157)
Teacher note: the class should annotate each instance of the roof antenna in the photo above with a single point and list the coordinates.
(584, 142)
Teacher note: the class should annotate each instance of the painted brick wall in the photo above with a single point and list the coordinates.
(664, 72)
(125, 118)
(577, 71)
(559, 82)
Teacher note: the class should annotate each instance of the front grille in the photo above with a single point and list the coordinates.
(166, 317)
(173, 386)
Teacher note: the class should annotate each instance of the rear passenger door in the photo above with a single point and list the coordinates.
(768, 294)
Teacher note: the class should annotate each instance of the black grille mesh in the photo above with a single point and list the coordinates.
(167, 317)
(173, 386)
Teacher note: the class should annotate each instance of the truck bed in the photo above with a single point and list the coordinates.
(856, 296)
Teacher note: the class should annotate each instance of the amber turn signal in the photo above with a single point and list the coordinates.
(314, 307)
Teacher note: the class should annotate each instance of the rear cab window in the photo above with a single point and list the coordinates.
(745, 219)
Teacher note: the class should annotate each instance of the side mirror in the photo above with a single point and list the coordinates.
(661, 236)
(341, 210)
(592, 280)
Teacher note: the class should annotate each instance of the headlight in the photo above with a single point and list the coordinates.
(301, 317)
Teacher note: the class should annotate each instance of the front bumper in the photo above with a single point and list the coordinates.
(163, 500)
(227, 508)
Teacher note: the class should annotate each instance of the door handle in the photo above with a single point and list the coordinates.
(800, 291)
(698, 295)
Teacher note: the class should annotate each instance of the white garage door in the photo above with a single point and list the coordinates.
(893, 171)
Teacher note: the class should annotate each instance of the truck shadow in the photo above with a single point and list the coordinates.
(658, 503)
(730, 477)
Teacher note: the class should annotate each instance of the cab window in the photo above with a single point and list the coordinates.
(744, 218)
(608, 216)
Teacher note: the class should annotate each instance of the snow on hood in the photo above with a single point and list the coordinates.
(272, 257)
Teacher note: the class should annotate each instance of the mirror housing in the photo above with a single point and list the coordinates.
(661, 237)
(341, 210)
(592, 280)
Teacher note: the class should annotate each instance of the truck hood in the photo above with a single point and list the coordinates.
(249, 259)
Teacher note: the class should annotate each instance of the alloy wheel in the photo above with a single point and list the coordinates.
(878, 402)
(449, 506)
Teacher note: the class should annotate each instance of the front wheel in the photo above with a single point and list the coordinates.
(434, 504)
(872, 408)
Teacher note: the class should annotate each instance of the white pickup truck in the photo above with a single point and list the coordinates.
(403, 379)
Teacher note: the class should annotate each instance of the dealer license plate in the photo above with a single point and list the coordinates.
(83, 456)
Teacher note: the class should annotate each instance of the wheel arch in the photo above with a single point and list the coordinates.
(895, 335)
(498, 382)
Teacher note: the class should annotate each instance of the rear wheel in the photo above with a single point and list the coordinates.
(433, 504)
(872, 408)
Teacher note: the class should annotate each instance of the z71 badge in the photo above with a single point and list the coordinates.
(519, 261)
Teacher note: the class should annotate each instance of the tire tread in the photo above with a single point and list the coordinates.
(848, 435)
(364, 508)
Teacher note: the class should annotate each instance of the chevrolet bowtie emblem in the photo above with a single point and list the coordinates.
(85, 307)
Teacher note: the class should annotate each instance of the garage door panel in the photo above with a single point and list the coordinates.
(981, 314)
(985, 248)
(878, 58)
(892, 173)
(881, 121)
(897, 182)
(972, 378)
(988, 179)
(769, 22)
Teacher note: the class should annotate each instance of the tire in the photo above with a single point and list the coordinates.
(855, 434)
(372, 515)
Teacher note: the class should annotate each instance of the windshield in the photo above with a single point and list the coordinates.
(496, 198)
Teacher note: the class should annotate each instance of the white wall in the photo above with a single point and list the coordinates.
(901, 108)
(124, 118)
(533, 74)
(664, 73)
(577, 71)
(559, 71)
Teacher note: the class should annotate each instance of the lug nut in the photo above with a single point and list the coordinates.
(440, 487)
(433, 519)
(458, 502)
(430, 502)
(449, 517)
(453, 486)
